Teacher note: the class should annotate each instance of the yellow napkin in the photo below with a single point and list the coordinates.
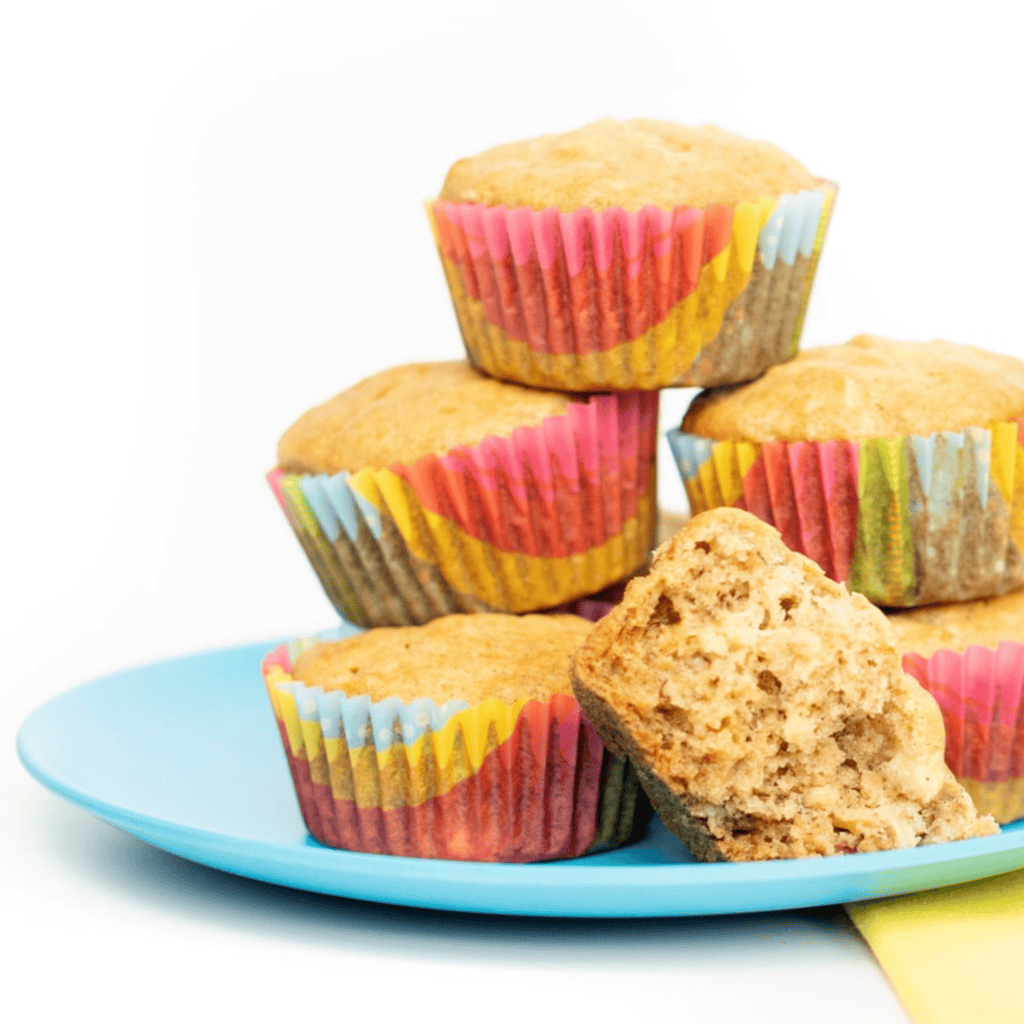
(954, 955)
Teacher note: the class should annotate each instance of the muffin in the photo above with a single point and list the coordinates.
(897, 466)
(630, 254)
(458, 740)
(955, 627)
(970, 658)
(429, 489)
(764, 706)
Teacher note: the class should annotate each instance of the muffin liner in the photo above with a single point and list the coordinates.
(587, 301)
(488, 782)
(907, 520)
(519, 523)
(981, 695)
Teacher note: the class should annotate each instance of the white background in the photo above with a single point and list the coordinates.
(205, 209)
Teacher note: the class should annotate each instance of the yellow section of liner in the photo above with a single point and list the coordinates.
(1003, 800)
(401, 774)
(721, 477)
(510, 580)
(656, 358)
(1008, 473)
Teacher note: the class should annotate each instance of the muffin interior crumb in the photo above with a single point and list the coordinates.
(767, 705)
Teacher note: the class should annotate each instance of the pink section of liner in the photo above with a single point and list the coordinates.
(981, 695)
(475, 230)
(562, 487)
(278, 656)
(274, 479)
(807, 490)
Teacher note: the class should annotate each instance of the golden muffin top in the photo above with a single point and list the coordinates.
(457, 657)
(955, 627)
(406, 412)
(869, 387)
(629, 164)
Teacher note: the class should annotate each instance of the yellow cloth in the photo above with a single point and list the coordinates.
(954, 955)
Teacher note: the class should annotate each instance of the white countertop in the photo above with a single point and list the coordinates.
(137, 926)
(206, 209)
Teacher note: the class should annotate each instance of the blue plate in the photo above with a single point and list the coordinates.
(185, 755)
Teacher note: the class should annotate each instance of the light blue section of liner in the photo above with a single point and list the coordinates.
(940, 485)
(690, 452)
(319, 505)
(924, 449)
(791, 228)
(337, 506)
(365, 723)
(939, 476)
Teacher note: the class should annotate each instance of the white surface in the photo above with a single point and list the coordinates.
(193, 206)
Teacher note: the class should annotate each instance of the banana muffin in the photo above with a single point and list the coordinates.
(895, 465)
(970, 657)
(458, 740)
(430, 488)
(764, 706)
(630, 254)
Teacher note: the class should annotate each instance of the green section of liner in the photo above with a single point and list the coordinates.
(883, 556)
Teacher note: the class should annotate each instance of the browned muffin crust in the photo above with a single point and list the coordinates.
(869, 387)
(764, 706)
(458, 657)
(955, 627)
(406, 412)
(629, 164)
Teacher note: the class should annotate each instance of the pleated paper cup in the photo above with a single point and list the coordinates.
(619, 300)
(522, 523)
(981, 694)
(596, 606)
(908, 520)
(455, 781)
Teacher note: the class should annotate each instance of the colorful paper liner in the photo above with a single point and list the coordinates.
(907, 520)
(484, 782)
(515, 524)
(615, 300)
(981, 694)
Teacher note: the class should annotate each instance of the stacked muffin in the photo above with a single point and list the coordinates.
(899, 468)
(431, 488)
(599, 266)
(636, 254)
(970, 657)
(587, 271)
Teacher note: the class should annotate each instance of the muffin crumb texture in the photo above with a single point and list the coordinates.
(765, 707)
(406, 412)
(630, 164)
(867, 387)
(467, 657)
(987, 622)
